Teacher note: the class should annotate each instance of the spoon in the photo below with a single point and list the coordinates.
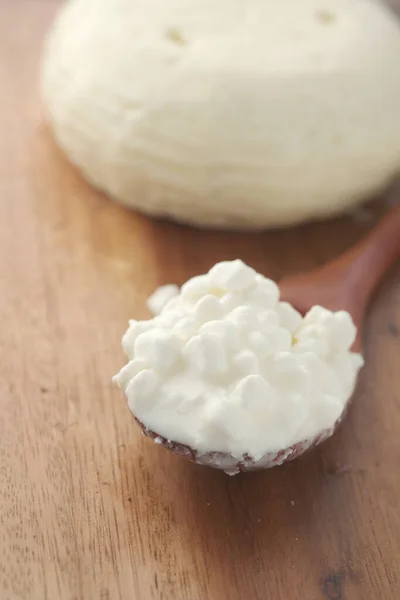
(346, 283)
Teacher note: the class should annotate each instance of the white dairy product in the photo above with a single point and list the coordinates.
(227, 367)
(228, 113)
(161, 297)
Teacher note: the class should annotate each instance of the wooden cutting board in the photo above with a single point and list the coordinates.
(89, 510)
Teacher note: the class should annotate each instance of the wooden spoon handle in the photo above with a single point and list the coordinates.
(348, 282)
(364, 265)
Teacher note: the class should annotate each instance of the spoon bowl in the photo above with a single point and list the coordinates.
(231, 465)
(347, 283)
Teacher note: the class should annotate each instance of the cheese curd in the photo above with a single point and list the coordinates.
(227, 367)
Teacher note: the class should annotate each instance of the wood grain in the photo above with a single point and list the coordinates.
(88, 508)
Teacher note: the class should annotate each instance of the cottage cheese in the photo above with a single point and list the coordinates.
(226, 366)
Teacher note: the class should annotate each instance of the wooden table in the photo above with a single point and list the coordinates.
(89, 510)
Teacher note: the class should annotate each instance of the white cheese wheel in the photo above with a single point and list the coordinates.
(228, 113)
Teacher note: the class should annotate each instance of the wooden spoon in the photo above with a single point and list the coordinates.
(346, 283)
